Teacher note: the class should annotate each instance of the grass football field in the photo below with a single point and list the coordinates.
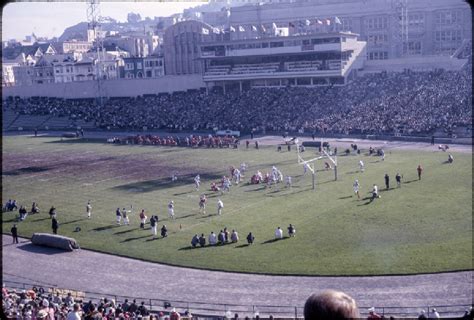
(424, 226)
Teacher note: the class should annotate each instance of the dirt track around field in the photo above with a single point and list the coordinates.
(95, 272)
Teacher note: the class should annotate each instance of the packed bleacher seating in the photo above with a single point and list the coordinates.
(255, 68)
(303, 65)
(416, 103)
(38, 303)
(189, 141)
(61, 304)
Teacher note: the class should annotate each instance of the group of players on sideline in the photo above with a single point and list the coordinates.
(236, 175)
(38, 304)
(411, 102)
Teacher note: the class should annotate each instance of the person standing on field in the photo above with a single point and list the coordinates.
(89, 209)
(125, 216)
(171, 209)
(14, 232)
(143, 218)
(419, 170)
(387, 181)
(356, 187)
(55, 225)
(153, 222)
(398, 178)
(220, 205)
(118, 215)
(202, 204)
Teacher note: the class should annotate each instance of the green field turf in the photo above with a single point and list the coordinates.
(424, 226)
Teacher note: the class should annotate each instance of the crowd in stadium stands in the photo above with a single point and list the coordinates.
(209, 141)
(389, 102)
(37, 304)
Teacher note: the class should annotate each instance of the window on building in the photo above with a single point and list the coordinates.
(376, 23)
(139, 65)
(413, 48)
(448, 17)
(416, 19)
(377, 55)
(346, 24)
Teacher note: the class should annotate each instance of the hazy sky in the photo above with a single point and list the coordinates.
(49, 19)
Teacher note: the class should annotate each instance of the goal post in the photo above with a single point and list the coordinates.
(307, 163)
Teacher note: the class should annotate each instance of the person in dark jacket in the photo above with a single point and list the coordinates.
(142, 309)
(164, 231)
(195, 241)
(14, 232)
(250, 238)
(202, 240)
(387, 181)
(55, 225)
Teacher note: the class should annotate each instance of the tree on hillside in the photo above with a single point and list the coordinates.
(133, 17)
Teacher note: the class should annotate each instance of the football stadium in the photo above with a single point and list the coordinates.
(292, 159)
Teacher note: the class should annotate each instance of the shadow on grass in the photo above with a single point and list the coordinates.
(126, 231)
(274, 240)
(276, 191)
(242, 246)
(135, 238)
(181, 193)
(14, 219)
(74, 221)
(191, 247)
(153, 239)
(353, 172)
(347, 197)
(25, 170)
(259, 189)
(31, 248)
(186, 216)
(208, 216)
(106, 227)
(165, 182)
(410, 181)
(206, 246)
(41, 219)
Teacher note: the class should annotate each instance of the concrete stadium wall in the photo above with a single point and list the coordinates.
(110, 88)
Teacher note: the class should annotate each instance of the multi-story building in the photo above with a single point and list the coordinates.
(136, 45)
(69, 70)
(180, 47)
(392, 28)
(43, 70)
(23, 75)
(76, 46)
(27, 54)
(138, 67)
(8, 77)
(18, 56)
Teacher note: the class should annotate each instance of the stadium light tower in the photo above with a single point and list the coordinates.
(94, 35)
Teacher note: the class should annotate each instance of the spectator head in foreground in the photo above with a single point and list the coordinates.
(330, 304)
